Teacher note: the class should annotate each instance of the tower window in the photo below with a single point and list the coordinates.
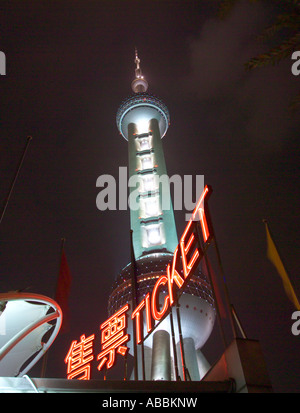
(151, 206)
(147, 162)
(154, 235)
(148, 183)
(144, 144)
(142, 126)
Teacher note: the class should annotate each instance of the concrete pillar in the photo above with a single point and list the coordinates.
(190, 359)
(203, 364)
(161, 357)
(147, 363)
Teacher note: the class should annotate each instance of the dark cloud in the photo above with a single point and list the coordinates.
(221, 49)
(217, 58)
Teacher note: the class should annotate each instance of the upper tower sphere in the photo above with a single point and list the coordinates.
(141, 107)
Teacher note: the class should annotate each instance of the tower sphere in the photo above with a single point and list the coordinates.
(141, 108)
(139, 84)
(196, 303)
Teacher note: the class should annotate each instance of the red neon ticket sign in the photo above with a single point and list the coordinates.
(186, 258)
(158, 315)
(190, 253)
(114, 335)
(137, 315)
(113, 338)
(173, 276)
(203, 218)
(79, 357)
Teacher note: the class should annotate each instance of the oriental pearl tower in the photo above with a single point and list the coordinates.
(143, 120)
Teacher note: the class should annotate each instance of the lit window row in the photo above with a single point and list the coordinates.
(142, 126)
(148, 183)
(144, 144)
(147, 162)
(149, 207)
(152, 235)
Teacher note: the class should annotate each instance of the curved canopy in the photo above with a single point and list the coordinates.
(24, 320)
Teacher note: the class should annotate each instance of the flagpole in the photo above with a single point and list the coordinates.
(237, 320)
(29, 138)
(225, 288)
(62, 246)
(227, 297)
(45, 357)
(134, 303)
(174, 346)
(181, 344)
(212, 289)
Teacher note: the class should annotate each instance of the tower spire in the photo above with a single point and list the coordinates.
(139, 84)
(137, 62)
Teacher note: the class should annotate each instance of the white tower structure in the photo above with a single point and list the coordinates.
(143, 120)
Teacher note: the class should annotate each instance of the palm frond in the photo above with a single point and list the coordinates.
(287, 20)
(285, 49)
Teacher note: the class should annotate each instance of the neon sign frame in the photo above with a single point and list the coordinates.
(186, 258)
(190, 252)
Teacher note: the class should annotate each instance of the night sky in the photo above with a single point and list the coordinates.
(69, 66)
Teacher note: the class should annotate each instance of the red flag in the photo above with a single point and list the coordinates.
(63, 289)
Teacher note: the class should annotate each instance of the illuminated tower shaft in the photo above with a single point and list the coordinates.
(143, 120)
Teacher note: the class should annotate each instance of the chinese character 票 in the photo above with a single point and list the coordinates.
(79, 357)
(113, 338)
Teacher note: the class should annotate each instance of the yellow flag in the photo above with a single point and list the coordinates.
(274, 257)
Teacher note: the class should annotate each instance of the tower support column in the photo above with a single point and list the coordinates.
(161, 357)
(190, 357)
(203, 364)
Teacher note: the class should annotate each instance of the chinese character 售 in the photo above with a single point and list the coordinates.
(79, 357)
